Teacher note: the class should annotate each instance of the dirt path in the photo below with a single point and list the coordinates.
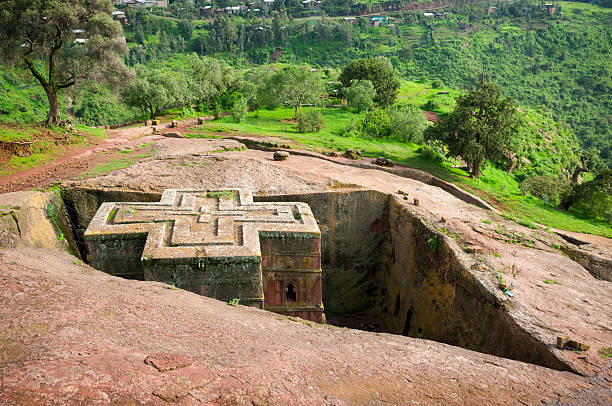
(77, 160)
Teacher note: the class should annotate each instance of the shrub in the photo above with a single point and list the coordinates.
(548, 189)
(217, 112)
(402, 122)
(431, 105)
(360, 94)
(311, 121)
(430, 154)
(592, 198)
(437, 84)
(240, 110)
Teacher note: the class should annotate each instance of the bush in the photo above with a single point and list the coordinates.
(430, 154)
(360, 94)
(431, 105)
(437, 84)
(548, 189)
(217, 112)
(406, 123)
(311, 121)
(592, 198)
(240, 110)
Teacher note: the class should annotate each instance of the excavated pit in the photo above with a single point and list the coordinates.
(384, 270)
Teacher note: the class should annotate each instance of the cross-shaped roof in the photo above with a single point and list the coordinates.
(202, 223)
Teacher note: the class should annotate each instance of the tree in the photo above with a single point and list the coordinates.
(155, 91)
(186, 28)
(481, 126)
(62, 42)
(294, 86)
(590, 161)
(593, 198)
(360, 94)
(240, 110)
(213, 82)
(379, 71)
(311, 121)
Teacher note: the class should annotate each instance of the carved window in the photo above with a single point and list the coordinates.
(291, 294)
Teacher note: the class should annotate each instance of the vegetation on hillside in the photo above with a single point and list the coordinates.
(60, 43)
(530, 161)
(557, 60)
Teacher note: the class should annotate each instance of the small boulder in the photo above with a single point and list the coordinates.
(352, 154)
(382, 161)
(201, 120)
(173, 124)
(281, 155)
(155, 122)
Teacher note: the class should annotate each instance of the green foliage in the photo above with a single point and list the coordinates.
(592, 198)
(310, 121)
(240, 110)
(295, 86)
(549, 282)
(155, 90)
(605, 352)
(380, 72)
(430, 154)
(62, 42)
(437, 84)
(405, 123)
(547, 189)
(96, 104)
(217, 112)
(481, 126)
(360, 94)
(53, 216)
(434, 242)
(234, 302)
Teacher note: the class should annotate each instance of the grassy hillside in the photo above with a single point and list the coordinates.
(23, 146)
(495, 185)
(23, 100)
(557, 62)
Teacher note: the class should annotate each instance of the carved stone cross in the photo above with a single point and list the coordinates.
(210, 242)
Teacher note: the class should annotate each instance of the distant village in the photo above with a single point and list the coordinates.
(262, 7)
(247, 7)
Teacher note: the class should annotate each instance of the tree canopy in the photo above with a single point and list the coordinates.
(154, 91)
(294, 86)
(61, 42)
(380, 72)
(481, 126)
(360, 94)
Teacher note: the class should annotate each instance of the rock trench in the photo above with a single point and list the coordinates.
(385, 269)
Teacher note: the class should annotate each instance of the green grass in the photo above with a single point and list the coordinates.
(113, 165)
(47, 144)
(498, 187)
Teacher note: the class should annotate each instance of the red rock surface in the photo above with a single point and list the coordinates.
(73, 335)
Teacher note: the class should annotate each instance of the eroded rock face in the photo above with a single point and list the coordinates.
(34, 219)
(90, 333)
